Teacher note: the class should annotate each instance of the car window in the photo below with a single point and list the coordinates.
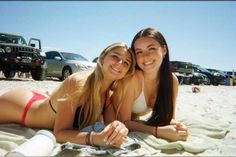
(55, 54)
(48, 55)
(196, 69)
(183, 67)
(73, 56)
(11, 39)
(52, 55)
(204, 70)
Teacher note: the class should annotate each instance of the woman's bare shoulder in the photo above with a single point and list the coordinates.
(80, 75)
(175, 80)
(72, 83)
(131, 80)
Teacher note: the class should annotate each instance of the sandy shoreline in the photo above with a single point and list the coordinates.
(213, 103)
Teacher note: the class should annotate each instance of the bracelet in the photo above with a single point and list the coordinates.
(87, 138)
(91, 140)
(156, 130)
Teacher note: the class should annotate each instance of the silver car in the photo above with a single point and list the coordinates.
(63, 64)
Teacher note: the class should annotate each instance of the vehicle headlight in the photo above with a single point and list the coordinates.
(81, 66)
(91, 67)
(2, 50)
(216, 74)
(196, 74)
(8, 49)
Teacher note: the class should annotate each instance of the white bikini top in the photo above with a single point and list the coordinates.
(140, 104)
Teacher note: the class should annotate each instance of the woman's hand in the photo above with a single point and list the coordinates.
(114, 134)
(173, 132)
(181, 127)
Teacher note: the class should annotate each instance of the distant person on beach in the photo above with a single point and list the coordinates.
(76, 110)
(153, 87)
(23, 74)
(1, 74)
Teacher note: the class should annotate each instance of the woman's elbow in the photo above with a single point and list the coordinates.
(61, 136)
(57, 134)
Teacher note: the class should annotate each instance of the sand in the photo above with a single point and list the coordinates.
(213, 103)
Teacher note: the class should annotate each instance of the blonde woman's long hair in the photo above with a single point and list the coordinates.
(89, 96)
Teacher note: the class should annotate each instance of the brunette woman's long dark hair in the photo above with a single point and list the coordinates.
(163, 108)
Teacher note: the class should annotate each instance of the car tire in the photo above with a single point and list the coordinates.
(39, 74)
(181, 80)
(188, 80)
(208, 82)
(9, 73)
(66, 72)
(215, 84)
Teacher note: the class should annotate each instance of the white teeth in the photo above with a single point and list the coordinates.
(115, 69)
(148, 63)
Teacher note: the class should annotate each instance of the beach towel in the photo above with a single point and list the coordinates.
(13, 135)
(204, 135)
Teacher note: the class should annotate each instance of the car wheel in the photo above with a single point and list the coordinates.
(66, 72)
(187, 80)
(215, 84)
(196, 83)
(208, 81)
(38, 74)
(9, 73)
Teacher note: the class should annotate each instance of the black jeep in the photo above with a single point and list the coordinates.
(16, 55)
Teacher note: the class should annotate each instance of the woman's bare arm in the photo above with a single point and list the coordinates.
(167, 132)
(63, 127)
(175, 94)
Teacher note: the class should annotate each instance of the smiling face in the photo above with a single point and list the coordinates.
(149, 54)
(116, 63)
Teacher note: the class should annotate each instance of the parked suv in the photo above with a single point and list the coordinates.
(186, 74)
(16, 55)
(63, 64)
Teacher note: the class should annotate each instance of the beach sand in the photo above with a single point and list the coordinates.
(213, 103)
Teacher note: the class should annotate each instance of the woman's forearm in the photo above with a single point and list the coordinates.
(166, 132)
(84, 138)
(71, 136)
(137, 126)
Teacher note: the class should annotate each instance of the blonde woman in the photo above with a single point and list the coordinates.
(81, 101)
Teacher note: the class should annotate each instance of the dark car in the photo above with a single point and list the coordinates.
(63, 64)
(95, 60)
(219, 73)
(215, 79)
(200, 78)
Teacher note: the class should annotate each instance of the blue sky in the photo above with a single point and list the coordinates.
(201, 32)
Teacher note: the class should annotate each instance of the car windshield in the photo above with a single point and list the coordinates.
(73, 56)
(220, 72)
(12, 39)
(203, 69)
